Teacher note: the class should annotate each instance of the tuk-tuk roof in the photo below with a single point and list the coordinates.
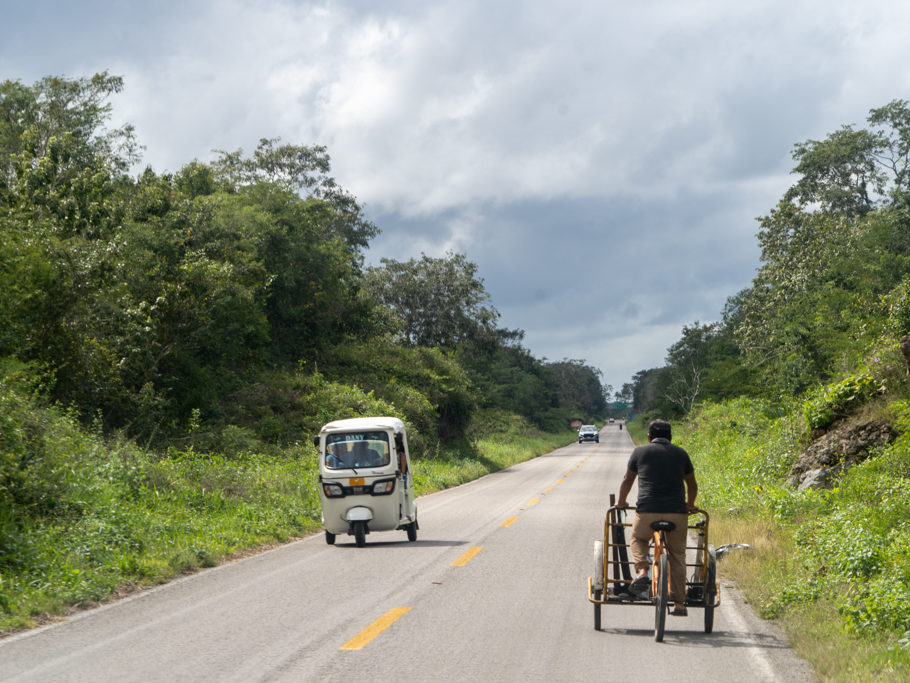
(362, 424)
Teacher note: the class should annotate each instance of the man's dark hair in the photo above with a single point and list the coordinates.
(659, 429)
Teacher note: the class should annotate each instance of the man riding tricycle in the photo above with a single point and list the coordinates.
(659, 536)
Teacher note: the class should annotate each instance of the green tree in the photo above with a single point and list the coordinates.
(894, 152)
(830, 249)
(507, 377)
(579, 388)
(625, 395)
(687, 362)
(314, 298)
(145, 300)
(437, 301)
(649, 394)
(54, 107)
(301, 170)
(851, 171)
(840, 172)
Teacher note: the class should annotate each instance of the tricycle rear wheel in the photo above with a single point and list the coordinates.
(329, 537)
(597, 596)
(597, 580)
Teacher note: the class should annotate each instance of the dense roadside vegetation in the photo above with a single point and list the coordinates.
(777, 402)
(170, 342)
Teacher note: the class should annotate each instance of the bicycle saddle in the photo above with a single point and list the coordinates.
(663, 526)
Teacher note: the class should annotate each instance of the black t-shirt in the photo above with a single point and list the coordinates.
(661, 467)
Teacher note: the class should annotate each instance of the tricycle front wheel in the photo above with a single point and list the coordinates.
(660, 604)
(597, 581)
(710, 590)
(597, 596)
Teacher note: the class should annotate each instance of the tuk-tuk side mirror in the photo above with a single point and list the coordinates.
(316, 442)
(399, 441)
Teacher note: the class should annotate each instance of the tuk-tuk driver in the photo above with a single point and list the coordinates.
(666, 491)
(364, 456)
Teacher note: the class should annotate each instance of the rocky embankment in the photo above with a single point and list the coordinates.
(838, 450)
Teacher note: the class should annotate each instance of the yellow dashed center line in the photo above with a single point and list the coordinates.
(363, 638)
(467, 556)
(374, 629)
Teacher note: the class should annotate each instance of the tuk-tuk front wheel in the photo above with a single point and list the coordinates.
(329, 537)
(412, 531)
(360, 534)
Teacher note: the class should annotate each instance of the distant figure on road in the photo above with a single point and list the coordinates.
(666, 491)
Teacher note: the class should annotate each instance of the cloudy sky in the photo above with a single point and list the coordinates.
(602, 162)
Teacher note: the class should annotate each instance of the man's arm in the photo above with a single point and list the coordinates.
(691, 491)
(624, 487)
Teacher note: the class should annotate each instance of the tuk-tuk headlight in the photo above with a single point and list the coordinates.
(383, 487)
(333, 490)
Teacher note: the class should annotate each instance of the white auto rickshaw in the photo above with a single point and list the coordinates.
(365, 481)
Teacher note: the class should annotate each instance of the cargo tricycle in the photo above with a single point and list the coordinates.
(614, 570)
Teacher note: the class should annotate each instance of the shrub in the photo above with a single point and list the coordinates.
(883, 606)
(829, 403)
(287, 408)
(897, 304)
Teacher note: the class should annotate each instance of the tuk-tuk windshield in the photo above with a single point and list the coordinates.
(353, 450)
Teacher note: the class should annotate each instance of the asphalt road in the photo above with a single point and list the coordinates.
(494, 589)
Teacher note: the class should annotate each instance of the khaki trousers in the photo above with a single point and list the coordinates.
(642, 533)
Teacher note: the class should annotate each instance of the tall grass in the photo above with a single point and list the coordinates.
(832, 565)
(638, 430)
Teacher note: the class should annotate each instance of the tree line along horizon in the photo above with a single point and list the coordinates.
(154, 304)
(229, 300)
(831, 296)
